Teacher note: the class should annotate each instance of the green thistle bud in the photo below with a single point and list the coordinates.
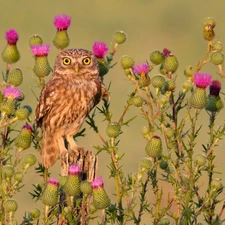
(92, 209)
(164, 99)
(164, 221)
(29, 160)
(137, 101)
(62, 180)
(200, 160)
(145, 164)
(127, 62)
(10, 206)
(217, 46)
(162, 70)
(85, 187)
(209, 21)
(208, 33)
(35, 40)
(8, 107)
(214, 103)
(119, 37)
(18, 176)
(41, 66)
(113, 130)
(217, 58)
(158, 81)
(170, 85)
(156, 57)
(144, 80)
(187, 86)
(146, 132)
(23, 140)
(188, 72)
(170, 63)
(61, 39)
(103, 67)
(23, 113)
(72, 185)
(216, 185)
(35, 213)
(169, 133)
(127, 72)
(154, 147)
(8, 171)
(163, 165)
(15, 77)
(198, 99)
(100, 198)
(51, 192)
(10, 54)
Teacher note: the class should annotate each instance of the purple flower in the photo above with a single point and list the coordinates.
(27, 127)
(96, 183)
(62, 22)
(215, 88)
(11, 92)
(166, 52)
(40, 50)
(74, 170)
(12, 36)
(202, 80)
(100, 49)
(141, 68)
(53, 181)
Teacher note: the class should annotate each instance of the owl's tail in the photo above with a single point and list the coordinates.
(50, 150)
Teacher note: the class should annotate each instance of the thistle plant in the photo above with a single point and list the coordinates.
(176, 182)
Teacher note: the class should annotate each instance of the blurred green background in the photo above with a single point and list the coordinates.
(149, 25)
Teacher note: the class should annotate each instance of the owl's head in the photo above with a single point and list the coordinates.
(76, 62)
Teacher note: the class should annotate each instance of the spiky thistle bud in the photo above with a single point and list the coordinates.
(119, 37)
(216, 185)
(170, 63)
(10, 205)
(113, 130)
(72, 185)
(127, 62)
(214, 103)
(154, 147)
(51, 192)
(23, 113)
(198, 99)
(23, 140)
(157, 57)
(41, 66)
(217, 46)
(217, 58)
(35, 213)
(137, 101)
(29, 160)
(35, 40)
(208, 33)
(100, 198)
(8, 171)
(61, 39)
(15, 77)
(163, 165)
(209, 21)
(200, 160)
(11, 54)
(18, 176)
(145, 165)
(164, 221)
(189, 73)
(85, 187)
(187, 86)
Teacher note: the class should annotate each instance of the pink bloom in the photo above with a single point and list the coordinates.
(53, 181)
(100, 49)
(202, 80)
(215, 88)
(12, 36)
(166, 52)
(62, 22)
(11, 92)
(74, 170)
(40, 50)
(98, 182)
(27, 127)
(141, 68)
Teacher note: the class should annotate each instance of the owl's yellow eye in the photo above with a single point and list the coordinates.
(66, 61)
(86, 61)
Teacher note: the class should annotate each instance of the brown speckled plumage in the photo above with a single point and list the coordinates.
(65, 101)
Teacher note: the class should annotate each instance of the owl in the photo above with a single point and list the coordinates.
(73, 90)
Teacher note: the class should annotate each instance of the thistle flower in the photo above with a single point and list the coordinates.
(141, 68)
(62, 22)
(11, 92)
(166, 52)
(202, 80)
(98, 182)
(100, 49)
(215, 88)
(40, 49)
(11, 37)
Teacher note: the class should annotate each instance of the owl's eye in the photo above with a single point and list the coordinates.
(66, 61)
(86, 61)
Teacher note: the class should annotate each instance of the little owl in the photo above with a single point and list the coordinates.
(71, 93)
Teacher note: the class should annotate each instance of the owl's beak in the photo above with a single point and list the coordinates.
(76, 68)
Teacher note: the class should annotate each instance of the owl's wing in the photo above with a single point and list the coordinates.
(48, 97)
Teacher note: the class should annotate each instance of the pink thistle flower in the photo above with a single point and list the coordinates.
(12, 36)
(40, 50)
(62, 22)
(166, 52)
(141, 68)
(53, 181)
(100, 49)
(215, 88)
(27, 127)
(74, 170)
(11, 92)
(202, 80)
(96, 183)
